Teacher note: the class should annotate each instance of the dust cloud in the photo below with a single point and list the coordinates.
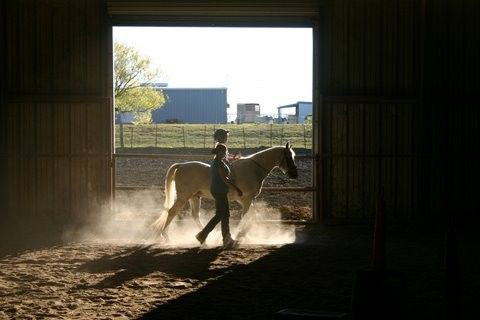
(132, 220)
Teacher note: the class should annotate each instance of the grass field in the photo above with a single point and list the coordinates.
(201, 136)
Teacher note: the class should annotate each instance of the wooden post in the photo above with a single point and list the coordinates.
(131, 137)
(281, 136)
(214, 133)
(183, 134)
(244, 141)
(304, 136)
(271, 135)
(156, 134)
(121, 134)
(204, 136)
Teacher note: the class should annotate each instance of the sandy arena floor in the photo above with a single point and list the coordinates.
(107, 278)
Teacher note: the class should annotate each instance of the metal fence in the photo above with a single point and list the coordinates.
(201, 136)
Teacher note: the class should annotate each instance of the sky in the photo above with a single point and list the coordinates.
(269, 66)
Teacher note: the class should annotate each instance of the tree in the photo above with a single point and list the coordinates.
(133, 72)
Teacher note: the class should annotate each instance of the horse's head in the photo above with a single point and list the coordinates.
(287, 165)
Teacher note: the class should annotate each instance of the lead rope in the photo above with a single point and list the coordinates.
(259, 165)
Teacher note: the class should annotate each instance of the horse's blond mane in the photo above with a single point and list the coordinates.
(261, 151)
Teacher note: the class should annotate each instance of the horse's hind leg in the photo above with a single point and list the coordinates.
(195, 203)
(246, 203)
(172, 212)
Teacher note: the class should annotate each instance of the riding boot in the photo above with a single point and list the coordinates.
(229, 243)
(201, 237)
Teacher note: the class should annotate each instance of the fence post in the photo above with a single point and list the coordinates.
(281, 136)
(121, 135)
(271, 134)
(204, 136)
(214, 139)
(156, 134)
(244, 141)
(131, 137)
(183, 134)
(304, 137)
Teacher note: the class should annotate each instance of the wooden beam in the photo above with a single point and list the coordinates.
(182, 156)
(268, 189)
(46, 98)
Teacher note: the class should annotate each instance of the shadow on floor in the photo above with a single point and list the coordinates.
(15, 240)
(141, 261)
(319, 275)
(311, 275)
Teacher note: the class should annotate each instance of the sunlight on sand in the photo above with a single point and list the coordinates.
(131, 225)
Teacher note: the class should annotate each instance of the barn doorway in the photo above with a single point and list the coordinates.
(255, 82)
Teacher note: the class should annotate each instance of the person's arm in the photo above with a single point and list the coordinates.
(233, 156)
(223, 174)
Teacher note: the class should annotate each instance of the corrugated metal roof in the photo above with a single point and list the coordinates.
(302, 109)
(294, 104)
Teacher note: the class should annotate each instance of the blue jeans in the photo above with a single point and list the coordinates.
(222, 213)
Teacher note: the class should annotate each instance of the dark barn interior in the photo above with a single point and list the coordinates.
(396, 102)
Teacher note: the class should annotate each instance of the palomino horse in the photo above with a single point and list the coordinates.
(192, 182)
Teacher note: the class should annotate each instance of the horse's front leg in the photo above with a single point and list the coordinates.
(245, 222)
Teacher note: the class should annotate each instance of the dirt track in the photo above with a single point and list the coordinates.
(114, 273)
(104, 280)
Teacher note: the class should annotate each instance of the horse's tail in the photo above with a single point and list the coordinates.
(170, 186)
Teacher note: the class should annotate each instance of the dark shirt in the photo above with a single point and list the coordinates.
(217, 185)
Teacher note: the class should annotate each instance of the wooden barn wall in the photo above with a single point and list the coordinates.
(370, 115)
(56, 114)
(392, 74)
(452, 82)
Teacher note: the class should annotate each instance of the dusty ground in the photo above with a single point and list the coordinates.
(117, 271)
(151, 172)
(107, 278)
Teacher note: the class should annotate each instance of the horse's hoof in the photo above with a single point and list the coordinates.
(165, 237)
(241, 235)
(230, 244)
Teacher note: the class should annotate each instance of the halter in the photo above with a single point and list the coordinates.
(289, 162)
(259, 165)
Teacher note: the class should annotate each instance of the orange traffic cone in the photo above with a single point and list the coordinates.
(379, 293)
